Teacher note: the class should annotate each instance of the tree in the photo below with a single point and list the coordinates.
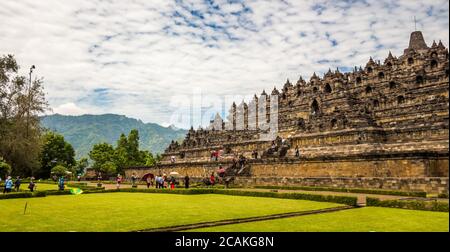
(5, 168)
(55, 151)
(121, 157)
(103, 155)
(127, 152)
(108, 168)
(158, 158)
(81, 166)
(150, 160)
(59, 170)
(21, 101)
(108, 159)
(134, 156)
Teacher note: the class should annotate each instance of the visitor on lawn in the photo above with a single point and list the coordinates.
(8, 185)
(133, 179)
(149, 181)
(165, 181)
(31, 185)
(61, 183)
(118, 180)
(157, 181)
(172, 182)
(17, 184)
(160, 182)
(186, 182)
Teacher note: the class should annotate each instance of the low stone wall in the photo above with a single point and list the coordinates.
(376, 166)
(415, 172)
(427, 184)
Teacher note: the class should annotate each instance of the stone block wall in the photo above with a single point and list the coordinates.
(414, 173)
(427, 184)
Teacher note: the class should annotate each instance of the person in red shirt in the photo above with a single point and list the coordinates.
(221, 173)
(212, 179)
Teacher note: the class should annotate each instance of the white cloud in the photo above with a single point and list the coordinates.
(70, 109)
(131, 57)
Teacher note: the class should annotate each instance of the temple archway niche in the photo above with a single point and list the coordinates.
(328, 88)
(315, 109)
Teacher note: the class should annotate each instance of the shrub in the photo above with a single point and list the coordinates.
(352, 201)
(409, 204)
(57, 192)
(82, 186)
(16, 195)
(301, 196)
(5, 168)
(59, 170)
(313, 197)
(350, 190)
(40, 194)
(443, 195)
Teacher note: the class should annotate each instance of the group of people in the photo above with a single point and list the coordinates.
(10, 186)
(215, 155)
(163, 182)
(159, 181)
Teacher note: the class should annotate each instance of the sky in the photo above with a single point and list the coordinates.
(152, 59)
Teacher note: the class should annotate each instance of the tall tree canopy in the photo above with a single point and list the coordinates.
(5, 168)
(55, 151)
(127, 152)
(108, 159)
(80, 167)
(103, 157)
(21, 101)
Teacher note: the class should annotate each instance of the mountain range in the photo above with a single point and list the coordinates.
(82, 132)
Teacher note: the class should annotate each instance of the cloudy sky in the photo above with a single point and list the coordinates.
(145, 59)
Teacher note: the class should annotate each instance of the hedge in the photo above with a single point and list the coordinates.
(409, 204)
(44, 193)
(23, 195)
(443, 195)
(352, 201)
(82, 186)
(16, 195)
(350, 190)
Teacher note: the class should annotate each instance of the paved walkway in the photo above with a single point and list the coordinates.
(360, 196)
(243, 220)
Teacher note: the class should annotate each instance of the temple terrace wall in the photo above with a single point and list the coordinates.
(411, 173)
(427, 184)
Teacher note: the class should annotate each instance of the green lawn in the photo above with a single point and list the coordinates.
(365, 219)
(42, 187)
(134, 211)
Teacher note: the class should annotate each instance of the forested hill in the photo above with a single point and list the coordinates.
(86, 130)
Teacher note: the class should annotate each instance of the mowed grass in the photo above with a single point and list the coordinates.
(41, 187)
(136, 211)
(367, 219)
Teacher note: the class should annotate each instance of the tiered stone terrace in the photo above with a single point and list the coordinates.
(388, 120)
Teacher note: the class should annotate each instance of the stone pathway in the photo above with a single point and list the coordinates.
(360, 196)
(243, 220)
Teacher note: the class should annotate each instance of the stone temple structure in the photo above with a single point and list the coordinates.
(384, 125)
